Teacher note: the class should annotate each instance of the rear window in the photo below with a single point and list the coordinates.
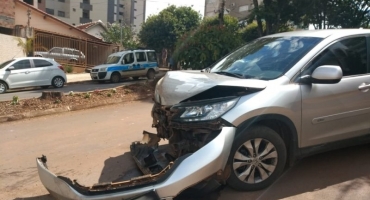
(41, 63)
(152, 57)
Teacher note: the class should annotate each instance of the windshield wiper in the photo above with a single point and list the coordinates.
(226, 73)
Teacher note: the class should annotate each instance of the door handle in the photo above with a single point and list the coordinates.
(364, 86)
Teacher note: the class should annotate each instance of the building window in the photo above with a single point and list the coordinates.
(49, 11)
(86, 1)
(74, 9)
(62, 1)
(61, 13)
(121, 5)
(86, 14)
(39, 1)
(243, 8)
(120, 13)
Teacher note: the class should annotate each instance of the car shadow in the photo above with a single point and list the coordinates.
(342, 171)
(42, 197)
(119, 168)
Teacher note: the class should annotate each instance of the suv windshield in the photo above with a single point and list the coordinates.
(112, 60)
(265, 58)
(2, 65)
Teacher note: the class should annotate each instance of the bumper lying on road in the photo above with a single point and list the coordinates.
(184, 173)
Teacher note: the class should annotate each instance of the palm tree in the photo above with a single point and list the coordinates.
(26, 45)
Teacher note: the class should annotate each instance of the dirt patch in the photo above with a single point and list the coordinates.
(123, 94)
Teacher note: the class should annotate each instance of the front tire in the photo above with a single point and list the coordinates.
(115, 77)
(257, 159)
(58, 82)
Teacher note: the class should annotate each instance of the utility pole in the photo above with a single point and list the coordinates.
(221, 12)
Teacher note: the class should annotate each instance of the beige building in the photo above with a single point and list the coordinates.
(236, 8)
(76, 12)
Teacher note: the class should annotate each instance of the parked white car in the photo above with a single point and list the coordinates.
(31, 72)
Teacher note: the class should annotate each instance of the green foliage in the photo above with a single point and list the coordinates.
(202, 47)
(15, 100)
(57, 101)
(114, 90)
(71, 93)
(87, 95)
(27, 46)
(230, 23)
(114, 33)
(69, 68)
(109, 95)
(250, 32)
(162, 30)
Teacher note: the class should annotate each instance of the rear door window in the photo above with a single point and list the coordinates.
(140, 57)
(152, 57)
(129, 58)
(41, 63)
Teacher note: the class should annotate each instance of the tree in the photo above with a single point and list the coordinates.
(162, 30)
(116, 33)
(26, 45)
(202, 47)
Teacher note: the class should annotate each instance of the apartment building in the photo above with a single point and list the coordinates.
(236, 8)
(77, 12)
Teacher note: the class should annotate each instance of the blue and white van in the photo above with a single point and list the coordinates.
(123, 64)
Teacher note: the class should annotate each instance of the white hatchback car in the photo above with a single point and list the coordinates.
(31, 72)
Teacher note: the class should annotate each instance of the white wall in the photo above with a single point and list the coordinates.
(9, 48)
(95, 31)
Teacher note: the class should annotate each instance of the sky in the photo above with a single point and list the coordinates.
(153, 7)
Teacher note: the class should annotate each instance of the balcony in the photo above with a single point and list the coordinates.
(86, 6)
(85, 20)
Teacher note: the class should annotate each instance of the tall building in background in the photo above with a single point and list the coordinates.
(137, 14)
(77, 12)
(236, 8)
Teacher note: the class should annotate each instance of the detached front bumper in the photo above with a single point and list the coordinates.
(185, 172)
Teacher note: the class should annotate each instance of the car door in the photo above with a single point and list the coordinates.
(128, 64)
(56, 53)
(44, 71)
(333, 112)
(140, 68)
(152, 59)
(21, 75)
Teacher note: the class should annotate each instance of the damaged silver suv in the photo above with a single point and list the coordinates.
(246, 118)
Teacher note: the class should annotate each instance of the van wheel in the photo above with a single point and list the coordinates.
(150, 74)
(135, 78)
(257, 159)
(115, 77)
(58, 82)
(3, 87)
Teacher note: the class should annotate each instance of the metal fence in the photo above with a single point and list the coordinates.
(77, 52)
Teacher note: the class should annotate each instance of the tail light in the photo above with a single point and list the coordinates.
(61, 67)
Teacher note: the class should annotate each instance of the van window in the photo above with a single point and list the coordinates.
(129, 58)
(152, 57)
(140, 56)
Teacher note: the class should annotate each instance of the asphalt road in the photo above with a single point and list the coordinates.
(83, 87)
(90, 146)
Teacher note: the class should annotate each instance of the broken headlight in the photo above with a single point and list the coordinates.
(205, 110)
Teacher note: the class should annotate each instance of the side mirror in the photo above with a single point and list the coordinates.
(327, 74)
(10, 68)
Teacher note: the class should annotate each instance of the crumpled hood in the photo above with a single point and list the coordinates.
(177, 86)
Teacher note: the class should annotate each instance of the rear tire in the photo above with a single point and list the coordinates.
(115, 77)
(150, 74)
(57, 82)
(257, 158)
(3, 87)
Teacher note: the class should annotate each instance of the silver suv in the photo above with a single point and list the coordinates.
(242, 121)
(62, 54)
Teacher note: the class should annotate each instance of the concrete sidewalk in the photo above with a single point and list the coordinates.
(85, 77)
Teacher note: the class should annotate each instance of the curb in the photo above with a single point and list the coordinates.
(39, 113)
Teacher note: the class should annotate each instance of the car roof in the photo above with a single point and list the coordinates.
(321, 33)
(120, 53)
(41, 58)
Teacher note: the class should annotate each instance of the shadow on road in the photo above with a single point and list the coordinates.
(43, 197)
(348, 167)
(119, 168)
